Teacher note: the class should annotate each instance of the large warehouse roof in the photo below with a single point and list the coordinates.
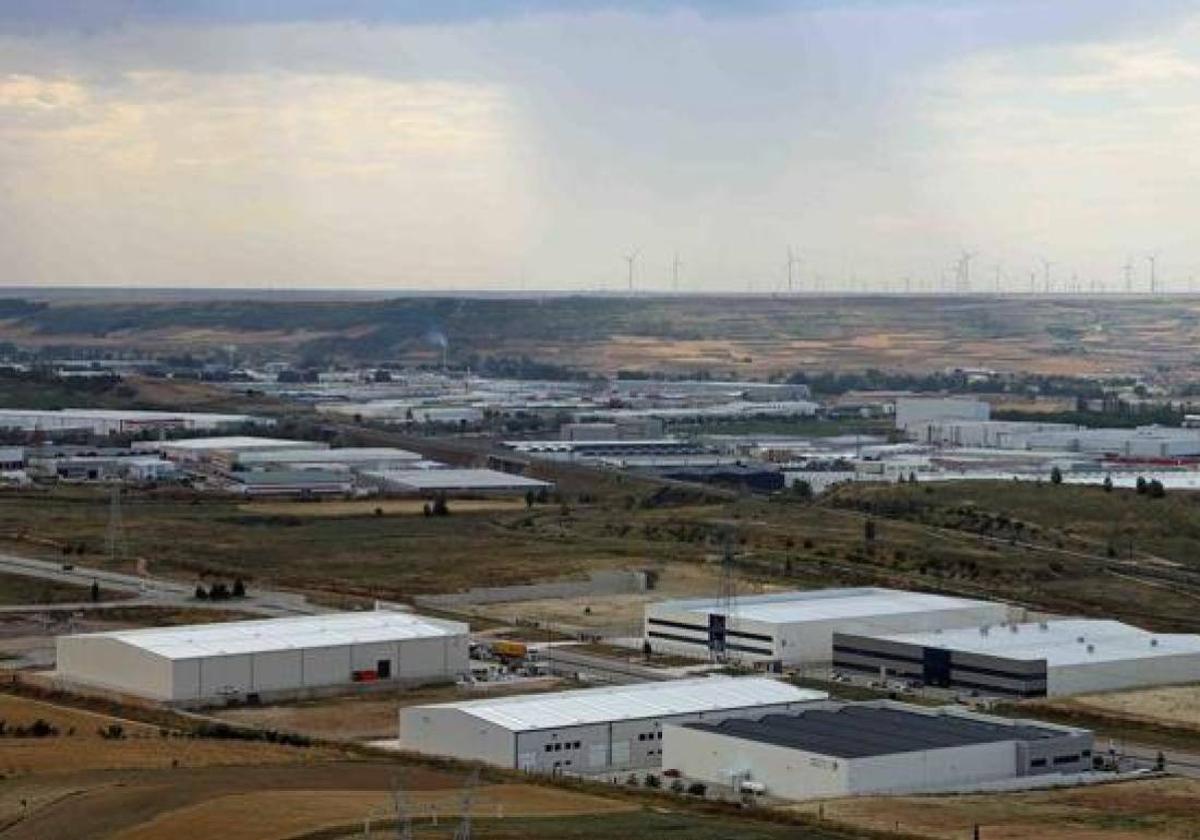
(346, 455)
(825, 604)
(857, 731)
(632, 702)
(454, 479)
(1073, 641)
(237, 442)
(275, 634)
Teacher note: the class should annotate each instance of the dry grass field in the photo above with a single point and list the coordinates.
(1159, 809)
(280, 814)
(377, 507)
(1176, 706)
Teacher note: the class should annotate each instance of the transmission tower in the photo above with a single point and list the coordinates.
(463, 832)
(115, 536)
(726, 604)
(404, 828)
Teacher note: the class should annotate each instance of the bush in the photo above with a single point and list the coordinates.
(653, 782)
(698, 789)
(677, 786)
(201, 592)
(112, 732)
(239, 588)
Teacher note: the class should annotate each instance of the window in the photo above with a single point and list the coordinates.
(557, 747)
(383, 669)
(549, 747)
(1066, 759)
(660, 736)
(1086, 753)
(641, 736)
(1038, 762)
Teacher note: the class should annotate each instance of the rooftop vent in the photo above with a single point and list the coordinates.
(1154, 643)
(1013, 627)
(1080, 639)
(1043, 625)
(1091, 648)
(983, 631)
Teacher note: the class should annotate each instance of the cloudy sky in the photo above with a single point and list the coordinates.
(361, 143)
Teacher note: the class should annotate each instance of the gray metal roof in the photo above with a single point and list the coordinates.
(822, 604)
(276, 634)
(631, 702)
(858, 731)
(1060, 642)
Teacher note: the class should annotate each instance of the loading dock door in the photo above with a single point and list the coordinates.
(716, 633)
(936, 667)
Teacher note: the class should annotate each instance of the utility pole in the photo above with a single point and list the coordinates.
(1153, 260)
(629, 261)
(675, 266)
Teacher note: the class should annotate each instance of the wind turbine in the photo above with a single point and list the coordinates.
(964, 272)
(1128, 268)
(630, 258)
(792, 262)
(675, 266)
(1153, 260)
(1046, 264)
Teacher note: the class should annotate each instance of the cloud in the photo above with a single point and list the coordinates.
(255, 143)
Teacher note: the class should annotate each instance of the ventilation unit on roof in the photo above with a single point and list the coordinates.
(1091, 648)
(1012, 627)
(983, 631)
(1043, 625)
(1080, 639)
(1154, 643)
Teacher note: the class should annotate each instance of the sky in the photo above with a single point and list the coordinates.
(537, 145)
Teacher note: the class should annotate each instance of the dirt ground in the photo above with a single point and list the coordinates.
(366, 718)
(1159, 808)
(390, 507)
(1175, 705)
(679, 580)
(79, 745)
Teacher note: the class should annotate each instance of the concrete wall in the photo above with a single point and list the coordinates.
(1126, 673)
(441, 731)
(933, 770)
(110, 664)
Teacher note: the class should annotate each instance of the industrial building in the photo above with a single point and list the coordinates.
(880, 747)
(291, 483)
(572, 450)
(222, 452)
(912, 412)
(591, 730)
(1051, 658)
(453, 481)
(111, 422)
(352, 458)
(267, 658)
(792, 628)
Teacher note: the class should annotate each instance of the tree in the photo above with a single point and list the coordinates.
(869, 530)
(1141, 486)
(95, 592)
(529, 499)
(1108, 485)
(653, 782)
(647, 651)
(439, 506)
(1056, 476)
(1155, 489)
(427, 510)
(218, 592)
(239, 588)
(201, 592)
(801, 489)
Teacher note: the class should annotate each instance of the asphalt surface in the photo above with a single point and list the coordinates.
(148, 591)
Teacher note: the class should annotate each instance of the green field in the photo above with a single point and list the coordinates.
(979, 539)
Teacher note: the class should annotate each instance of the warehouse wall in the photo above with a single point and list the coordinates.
(450, 732)
(721, 760)
(1125, 673)
(933, 770)
(111, 664)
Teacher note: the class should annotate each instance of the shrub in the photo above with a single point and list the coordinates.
(677, 786)
(698, 789)
(653, 782)
(112, 732)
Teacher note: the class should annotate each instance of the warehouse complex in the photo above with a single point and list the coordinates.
(265, 659)
(435, 481)
(792, 628)
(1052, 658)
(871, 748)
(590, 730)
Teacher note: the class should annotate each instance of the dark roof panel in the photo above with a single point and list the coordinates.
(860, 731)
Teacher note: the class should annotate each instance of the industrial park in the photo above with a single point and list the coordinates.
(611, 419)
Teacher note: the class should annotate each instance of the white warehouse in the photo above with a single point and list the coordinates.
(837, 750)
(270, 658)
(591, 730)
(1050, 658)
(793, 628)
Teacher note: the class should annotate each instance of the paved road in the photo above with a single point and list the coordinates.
(149, 591)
